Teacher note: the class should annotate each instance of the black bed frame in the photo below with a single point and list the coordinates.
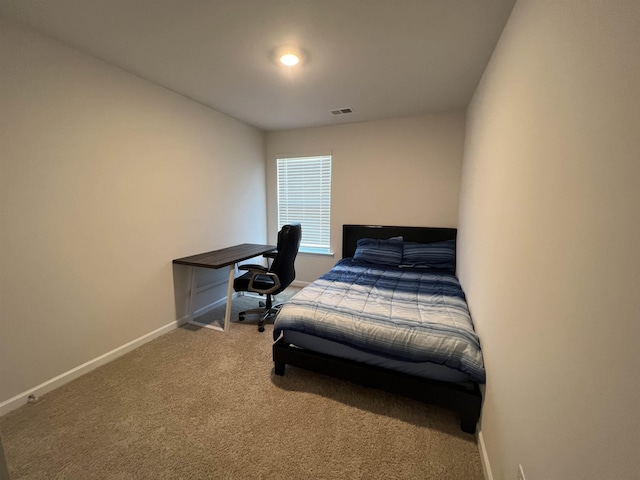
(466, 399)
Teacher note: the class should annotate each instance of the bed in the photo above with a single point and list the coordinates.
(390, 316)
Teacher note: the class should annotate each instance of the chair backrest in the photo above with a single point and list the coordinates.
(288, 244)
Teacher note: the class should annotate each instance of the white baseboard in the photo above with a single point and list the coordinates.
(205, 309)
(484, 458)
(22, 398)
(211, 306)
(58, 381)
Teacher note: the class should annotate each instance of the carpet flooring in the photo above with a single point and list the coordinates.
(201, 404)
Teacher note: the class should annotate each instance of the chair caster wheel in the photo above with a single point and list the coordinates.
(261, 329)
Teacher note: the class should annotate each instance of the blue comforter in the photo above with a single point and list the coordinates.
(405, 314)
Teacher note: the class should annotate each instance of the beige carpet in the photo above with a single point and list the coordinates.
(201, 404)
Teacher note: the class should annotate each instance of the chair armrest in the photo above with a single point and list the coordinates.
(276, 283)
(253, 268)
(260, 271)
(272, 254)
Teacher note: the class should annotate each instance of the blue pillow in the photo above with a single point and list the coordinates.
(434, 255)
(382, 252)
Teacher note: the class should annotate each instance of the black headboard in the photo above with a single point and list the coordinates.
(352, 233)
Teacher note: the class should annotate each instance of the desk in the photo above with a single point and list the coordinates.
(225, 257)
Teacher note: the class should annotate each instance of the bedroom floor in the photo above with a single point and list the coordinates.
(199, 404)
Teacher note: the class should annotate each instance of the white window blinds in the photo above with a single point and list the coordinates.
(304, 196)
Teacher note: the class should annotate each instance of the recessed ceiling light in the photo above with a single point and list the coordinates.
(289, 59)
(289, 56)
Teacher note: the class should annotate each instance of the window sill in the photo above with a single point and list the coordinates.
(316, 253)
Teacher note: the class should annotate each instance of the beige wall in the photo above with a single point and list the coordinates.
(104, 179)
(549, 249)
(402, 171)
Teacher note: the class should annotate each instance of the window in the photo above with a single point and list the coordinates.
(304, 196)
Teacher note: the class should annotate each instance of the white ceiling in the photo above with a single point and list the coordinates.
(383, 58)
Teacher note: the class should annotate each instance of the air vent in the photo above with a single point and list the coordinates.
(342, 111)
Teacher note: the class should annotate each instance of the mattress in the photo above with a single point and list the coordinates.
(418, 369)
(410, 320)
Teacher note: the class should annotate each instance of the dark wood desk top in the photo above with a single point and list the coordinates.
(225, 256)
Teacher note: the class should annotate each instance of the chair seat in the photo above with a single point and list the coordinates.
(261, 282)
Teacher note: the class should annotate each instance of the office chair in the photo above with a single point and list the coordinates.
(273, 280)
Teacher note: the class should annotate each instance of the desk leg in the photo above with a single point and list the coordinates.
(192, 300)
(227, 313)
(192, 294)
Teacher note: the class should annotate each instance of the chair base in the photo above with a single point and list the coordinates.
(264, 313)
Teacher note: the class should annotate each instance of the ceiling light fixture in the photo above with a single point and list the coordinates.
(289, 56)
(289, 59)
